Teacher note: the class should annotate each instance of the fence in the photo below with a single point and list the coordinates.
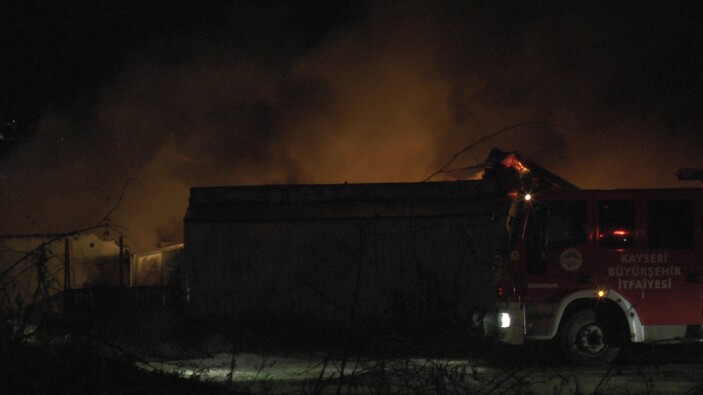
(98, 300)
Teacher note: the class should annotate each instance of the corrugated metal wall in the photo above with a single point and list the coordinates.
(410, 268)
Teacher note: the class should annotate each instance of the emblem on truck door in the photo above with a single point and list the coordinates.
(571, 259)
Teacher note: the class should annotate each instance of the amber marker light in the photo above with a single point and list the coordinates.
(600, 293)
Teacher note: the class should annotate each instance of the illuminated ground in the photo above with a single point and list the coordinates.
(259, 374)
(276, 359)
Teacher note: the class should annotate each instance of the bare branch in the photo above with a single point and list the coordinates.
(443, 169)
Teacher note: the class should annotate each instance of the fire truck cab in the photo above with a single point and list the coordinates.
(596, 269)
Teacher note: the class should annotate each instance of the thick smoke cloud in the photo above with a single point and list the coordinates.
(388, 98)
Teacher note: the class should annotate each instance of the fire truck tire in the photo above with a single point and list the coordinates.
(583, 339)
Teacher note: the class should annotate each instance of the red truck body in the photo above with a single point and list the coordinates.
(596, 269)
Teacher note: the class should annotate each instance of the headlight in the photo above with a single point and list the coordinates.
(504, 320)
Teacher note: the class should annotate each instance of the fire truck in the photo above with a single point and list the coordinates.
(593, 270)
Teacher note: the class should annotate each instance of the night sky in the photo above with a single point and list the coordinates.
(249, 92)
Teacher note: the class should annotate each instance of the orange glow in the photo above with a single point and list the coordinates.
(616, 232)
(512, 161)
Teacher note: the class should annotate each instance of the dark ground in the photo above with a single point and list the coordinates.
(100, 354)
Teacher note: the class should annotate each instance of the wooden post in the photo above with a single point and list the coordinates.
(66, 265)
(67, 305)
(121, 263)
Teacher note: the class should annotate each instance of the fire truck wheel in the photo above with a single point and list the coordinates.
(584, 339)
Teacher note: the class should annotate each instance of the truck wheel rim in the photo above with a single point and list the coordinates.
(590, 339)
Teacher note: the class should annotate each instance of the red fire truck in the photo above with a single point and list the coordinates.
(596, 269)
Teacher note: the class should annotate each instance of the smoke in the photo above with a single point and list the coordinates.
(387, 98)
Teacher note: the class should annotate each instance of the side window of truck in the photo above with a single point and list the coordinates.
(670, 224)
(537, 239)
(554, 225)
(616, 224)
(566, 224)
